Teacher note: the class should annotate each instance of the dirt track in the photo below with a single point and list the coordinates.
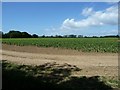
(90, 63)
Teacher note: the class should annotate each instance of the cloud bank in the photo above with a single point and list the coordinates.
(94, 18)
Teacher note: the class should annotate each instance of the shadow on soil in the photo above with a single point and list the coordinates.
(50, 76)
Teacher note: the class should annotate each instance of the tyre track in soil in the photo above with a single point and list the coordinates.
(92, 64)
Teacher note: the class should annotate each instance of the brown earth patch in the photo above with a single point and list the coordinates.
(92, 64)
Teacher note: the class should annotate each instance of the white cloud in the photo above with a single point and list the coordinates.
(111, 32)
(87, 11)
(95, 18)
(56, 31)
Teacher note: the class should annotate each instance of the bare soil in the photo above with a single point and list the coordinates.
(92, 64)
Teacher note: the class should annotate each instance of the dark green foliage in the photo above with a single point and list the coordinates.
(16, 34)
(25, 35)
(35, 36)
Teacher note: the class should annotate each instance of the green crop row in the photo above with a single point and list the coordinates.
(80, 44)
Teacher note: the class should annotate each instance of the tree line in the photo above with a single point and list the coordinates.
(18, 34)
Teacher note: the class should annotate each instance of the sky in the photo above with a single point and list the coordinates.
(61, 18)
(60, 0)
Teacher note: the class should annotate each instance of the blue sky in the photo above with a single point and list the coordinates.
(95, 18)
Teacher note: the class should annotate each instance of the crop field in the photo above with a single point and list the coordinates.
(80, 44)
